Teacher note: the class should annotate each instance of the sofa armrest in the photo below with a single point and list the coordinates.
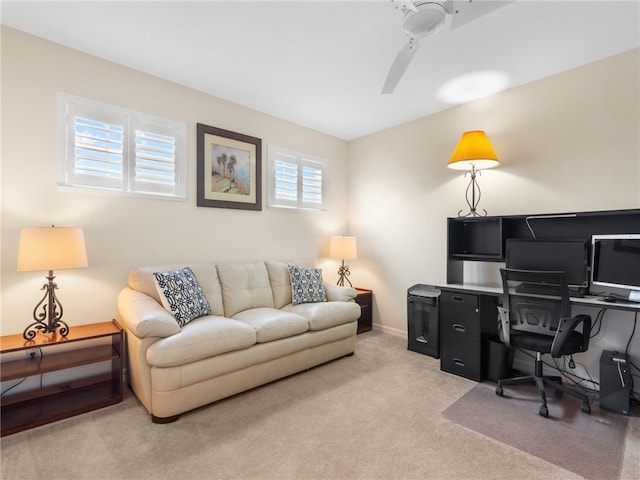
(144, 316)
(336, 293)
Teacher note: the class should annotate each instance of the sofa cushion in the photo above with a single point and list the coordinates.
(244, 286)
(326, 314)
(280, 279)
(201, 338)
(272, 324)
(142, 280)
(306, 285)
(181, 294)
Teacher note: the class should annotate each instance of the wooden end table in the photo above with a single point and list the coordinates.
(52, 402)
(364, 298)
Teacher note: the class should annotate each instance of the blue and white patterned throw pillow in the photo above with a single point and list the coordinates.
(181, 294)
(306, 285)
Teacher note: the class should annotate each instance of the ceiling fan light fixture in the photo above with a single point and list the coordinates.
(428, 18)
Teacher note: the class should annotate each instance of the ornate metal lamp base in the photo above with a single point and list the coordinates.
(50, 318)
(343, 273)
(473, 185)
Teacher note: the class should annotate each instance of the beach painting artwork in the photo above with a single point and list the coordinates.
(228, 169)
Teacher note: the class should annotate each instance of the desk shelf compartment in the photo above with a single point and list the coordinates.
(476, 239)
(67, 398)
(482, 239)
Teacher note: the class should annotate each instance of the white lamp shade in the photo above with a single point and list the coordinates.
(51, 248)
(343, 248)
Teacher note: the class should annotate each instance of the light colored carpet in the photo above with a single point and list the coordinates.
(589, 445)
(375, 415)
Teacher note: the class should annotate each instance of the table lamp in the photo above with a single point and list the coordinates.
(50, 248)
(343, 248)
(473, 153)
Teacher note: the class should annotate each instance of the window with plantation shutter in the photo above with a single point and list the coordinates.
(112, 149)
(296, 181)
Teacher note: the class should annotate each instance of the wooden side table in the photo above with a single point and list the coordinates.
(364, 298)
(52, 402)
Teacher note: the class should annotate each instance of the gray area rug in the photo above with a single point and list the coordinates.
(589, 445)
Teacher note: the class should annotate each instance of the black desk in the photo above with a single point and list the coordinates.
(468, 319)
(496, 290)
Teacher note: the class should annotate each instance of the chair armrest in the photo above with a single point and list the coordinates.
(336, 293)
(565, 328)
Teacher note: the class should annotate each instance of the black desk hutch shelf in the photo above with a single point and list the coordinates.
(483, 238)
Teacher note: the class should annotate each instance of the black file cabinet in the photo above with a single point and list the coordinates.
(466, 323)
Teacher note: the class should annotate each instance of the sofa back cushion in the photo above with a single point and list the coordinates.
(281, 279)
(244, 285)
(141, 279)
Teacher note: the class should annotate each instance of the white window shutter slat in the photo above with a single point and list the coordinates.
(106, 147)
(295, 181)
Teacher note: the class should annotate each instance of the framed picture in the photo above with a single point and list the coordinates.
(229, 169)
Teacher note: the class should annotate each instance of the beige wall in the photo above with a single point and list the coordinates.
(122, 232)
(568, 143)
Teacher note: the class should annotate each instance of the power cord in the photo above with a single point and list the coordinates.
(574, 378)
(635, 324)
(13, 386)
(32, 357)
(568, 375)
(597, 323)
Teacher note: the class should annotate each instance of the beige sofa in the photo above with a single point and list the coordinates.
(253, 335)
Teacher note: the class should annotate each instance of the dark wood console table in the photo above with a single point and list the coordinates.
(64, 398)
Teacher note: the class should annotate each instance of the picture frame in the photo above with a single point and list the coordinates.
(229, 169)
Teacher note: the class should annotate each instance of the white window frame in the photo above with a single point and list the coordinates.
(299, 187)
(164, 154)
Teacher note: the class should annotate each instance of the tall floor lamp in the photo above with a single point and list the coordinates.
(473, 153)
(50, 248)
(343, 248)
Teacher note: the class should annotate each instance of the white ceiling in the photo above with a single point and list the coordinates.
(322, 64)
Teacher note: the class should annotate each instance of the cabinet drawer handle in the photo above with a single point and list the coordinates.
(458, 362)
(459, 328)
(457, 298)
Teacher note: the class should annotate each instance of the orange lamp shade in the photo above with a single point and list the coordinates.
(474, 151)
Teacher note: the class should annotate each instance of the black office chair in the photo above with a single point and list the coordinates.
(541, 324)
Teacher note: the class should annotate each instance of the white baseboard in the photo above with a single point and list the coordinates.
(390, 330)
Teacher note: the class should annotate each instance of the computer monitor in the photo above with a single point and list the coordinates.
(566, 255)
(615, 262)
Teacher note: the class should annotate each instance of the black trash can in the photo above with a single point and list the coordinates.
(499, 360)
(422, 320)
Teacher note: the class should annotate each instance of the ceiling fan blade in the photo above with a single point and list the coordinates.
(465, 11)
(399, 65)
